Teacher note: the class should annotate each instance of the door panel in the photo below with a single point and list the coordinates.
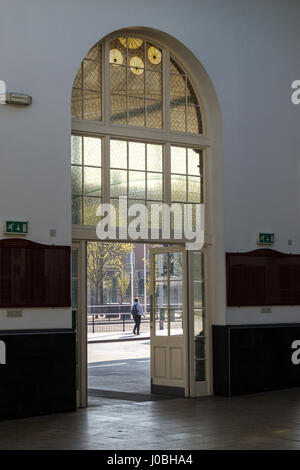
(169, 320)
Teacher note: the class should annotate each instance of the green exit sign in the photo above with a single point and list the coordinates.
(265, 238)
(16, 227)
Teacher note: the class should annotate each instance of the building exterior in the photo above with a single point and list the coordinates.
(241, 58)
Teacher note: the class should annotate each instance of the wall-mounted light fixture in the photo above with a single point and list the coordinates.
(13, 98)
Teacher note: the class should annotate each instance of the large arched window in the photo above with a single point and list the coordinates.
(136, 124)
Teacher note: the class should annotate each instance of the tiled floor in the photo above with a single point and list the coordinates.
(262, 421)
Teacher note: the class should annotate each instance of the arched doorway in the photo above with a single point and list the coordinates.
(146, 127)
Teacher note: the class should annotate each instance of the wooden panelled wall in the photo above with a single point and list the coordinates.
(262, 277)
(34, 275)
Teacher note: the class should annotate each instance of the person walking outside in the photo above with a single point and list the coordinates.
(137, 312)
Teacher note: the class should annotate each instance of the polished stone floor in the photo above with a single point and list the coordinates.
(263, 421)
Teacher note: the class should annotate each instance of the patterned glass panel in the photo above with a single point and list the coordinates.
(118, 183)
(155, 186)
(76, 149)
(153, 57)
(194, 124)
(92, 181)
(154, 114)
(177, 118)
(76, 210)
(91, 75)
(178, 160)
(153, 85)
(78, 78)
(154, 157)
(94, 53)
(76, 179)
(178, 87)
(92, 151)
(117, 52)
(178, 188)
(92, 105)
(154, 221)
(137, 185)
(136, 85)
(194, 189)
(118, 154)
(117, 78)
(136, 156)
(136, 111)
(76, 103)
(191, 95)
(118, 113)
(90, 206)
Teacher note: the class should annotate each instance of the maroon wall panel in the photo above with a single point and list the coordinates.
(262, 277)
(34, 275)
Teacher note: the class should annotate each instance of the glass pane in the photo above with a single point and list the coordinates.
(198, 265)
(76, 179)
(199, 326)
(191, 95)
(92, 151)
(154, 157)
(176, 308)
(161, 266)
(195, 162)
(91, 204)
(155, 186)
(118, 183)
(153, 57)
(194, 122)
(76, 106)
(74, 263)
(76, 210)
(92, 181)
(118, 112)
(91, 75)
(175, 266)
(137, 185)
(174, 67)
(178, 160)
(78, 79)
(178, 188)
(76, 149)
(118, 154)
(161, 309)
(136, 49)
(118, 78)
(154, 85)
(92, 105)
(136, 156)
(136, 84)
(154, 114)
(136, 111)
(177, 117)
(117, 51)
(194, 189)
(199, 294)
(177, 87)
(200, 375)
(94, 53)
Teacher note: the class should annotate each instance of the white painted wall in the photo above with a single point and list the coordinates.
(250, 50)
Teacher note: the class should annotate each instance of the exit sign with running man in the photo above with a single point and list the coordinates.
(16, 227)
(265, 238)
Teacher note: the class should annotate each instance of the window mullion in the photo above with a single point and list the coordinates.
(106, 170)
(167, 172)
(106, 84)
(166, 89)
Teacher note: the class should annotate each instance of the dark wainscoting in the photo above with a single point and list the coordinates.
(262, 277)
(39, 376)
(34, 275)
(252, 359)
